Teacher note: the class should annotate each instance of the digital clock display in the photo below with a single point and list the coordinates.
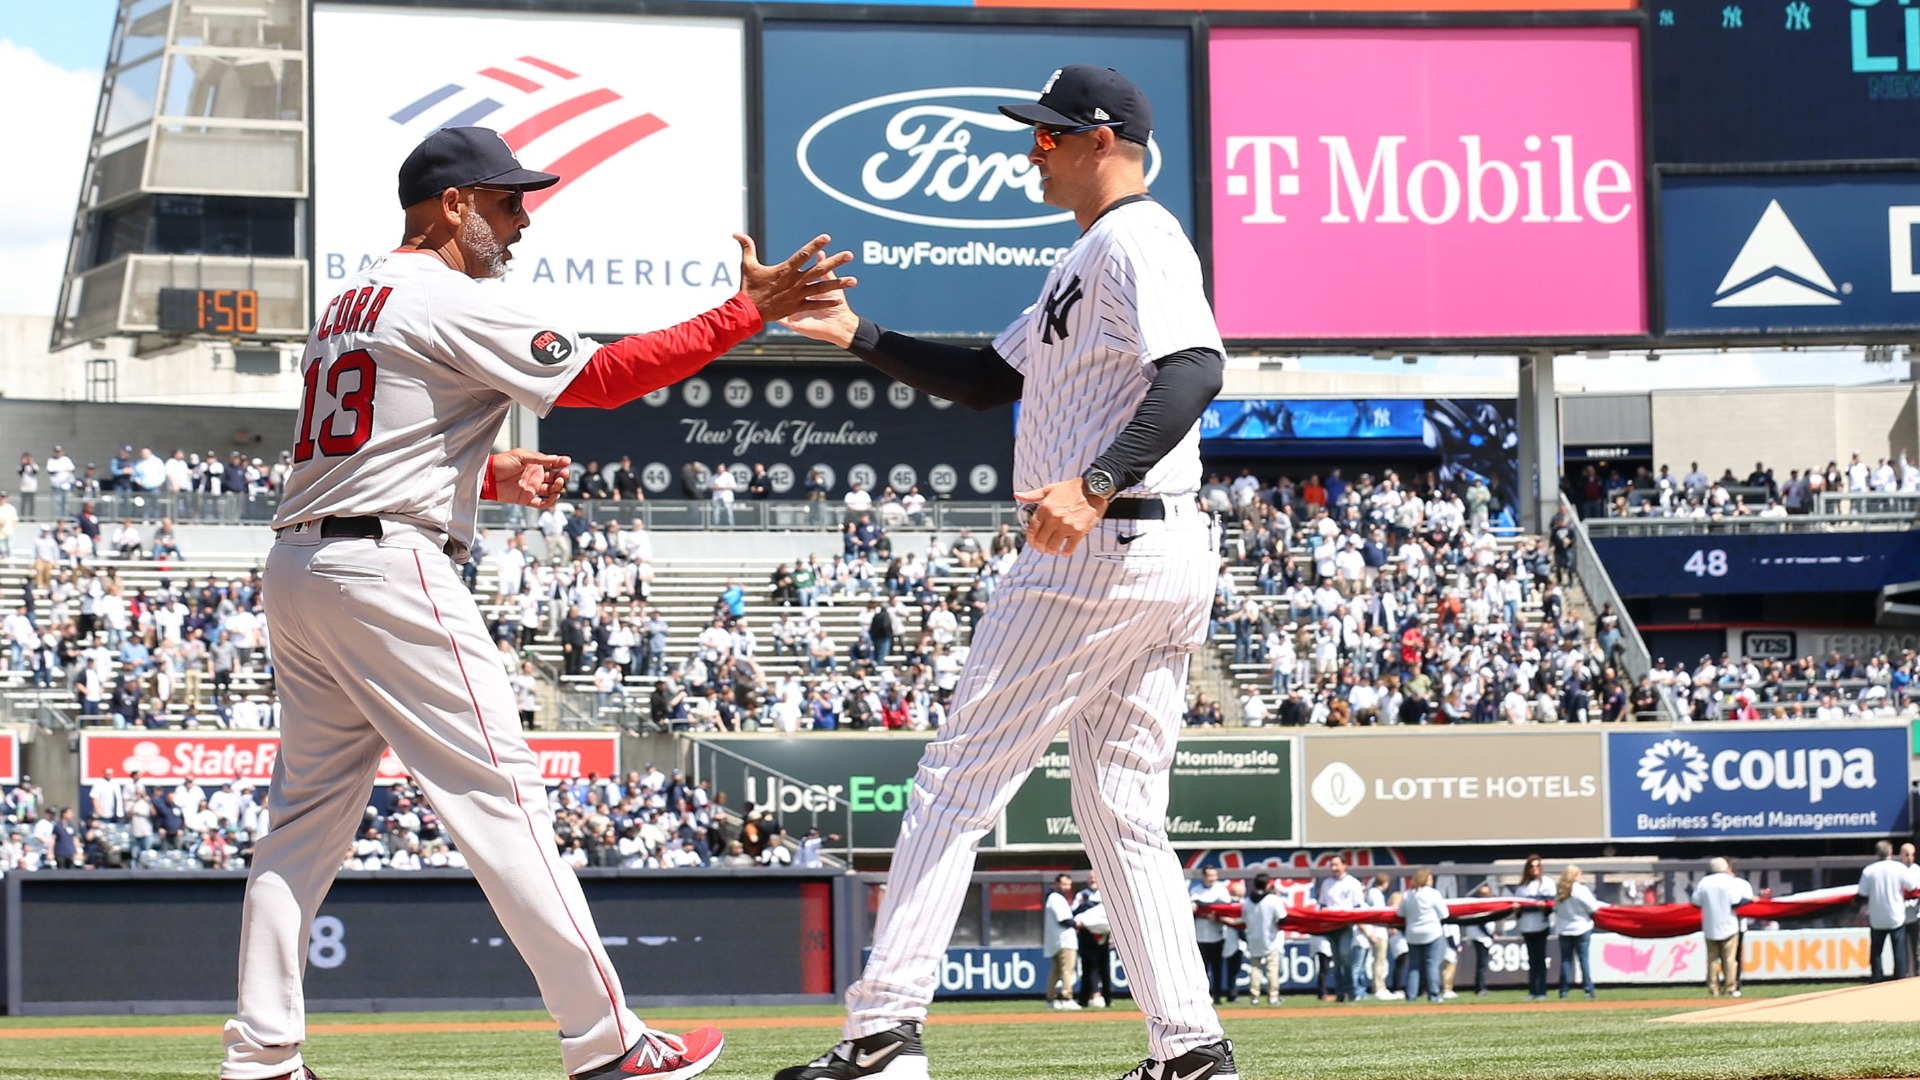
(210, 311)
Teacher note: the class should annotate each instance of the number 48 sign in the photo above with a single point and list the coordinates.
(1706, 562)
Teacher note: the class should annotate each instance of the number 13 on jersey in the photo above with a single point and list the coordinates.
(343, 422)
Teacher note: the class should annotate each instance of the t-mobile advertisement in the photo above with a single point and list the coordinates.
(1427, 184)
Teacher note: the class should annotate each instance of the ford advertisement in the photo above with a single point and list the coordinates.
(1758, 783)
(1427, 184)
(906, 160)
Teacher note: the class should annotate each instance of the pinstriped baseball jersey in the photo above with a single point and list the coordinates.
(1127, 294)
(408, 376)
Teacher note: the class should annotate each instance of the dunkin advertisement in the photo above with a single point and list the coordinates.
(1427, 184)
(168, 757)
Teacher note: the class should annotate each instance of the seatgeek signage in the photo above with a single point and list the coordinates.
(1427, 184)
(1760, 782)
(904, 158)
(1778, 255)
(642, 117)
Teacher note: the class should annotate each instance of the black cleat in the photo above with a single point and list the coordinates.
(894, 1054)
(1213, 1061)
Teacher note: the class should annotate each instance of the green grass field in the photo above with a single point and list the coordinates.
(1302, 1040)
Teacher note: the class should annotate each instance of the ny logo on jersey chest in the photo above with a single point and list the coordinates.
(1059, 309)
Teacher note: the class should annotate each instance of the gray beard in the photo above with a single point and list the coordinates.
(478, 238)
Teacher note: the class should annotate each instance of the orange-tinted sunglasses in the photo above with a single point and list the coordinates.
(1049, 138)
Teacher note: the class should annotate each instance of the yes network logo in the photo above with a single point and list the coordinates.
(566, 123)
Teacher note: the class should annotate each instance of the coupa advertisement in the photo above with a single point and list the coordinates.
(1223, 789)
(904, 158)
(848, 422)
(641, 117)
(1758, 782)
(1427, 184)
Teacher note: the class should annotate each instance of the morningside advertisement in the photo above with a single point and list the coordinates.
(1374, 183)
(641, 117)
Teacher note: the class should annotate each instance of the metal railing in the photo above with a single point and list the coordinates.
(695, 765)
(773, 515)
(1753, 526)
(1598, 585)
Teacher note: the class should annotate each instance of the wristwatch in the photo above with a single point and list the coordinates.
(1099, 482)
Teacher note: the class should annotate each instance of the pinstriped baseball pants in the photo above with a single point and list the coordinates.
(1097, 643)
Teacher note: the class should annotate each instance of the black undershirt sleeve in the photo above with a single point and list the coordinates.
(977, 378)
(1184, 384)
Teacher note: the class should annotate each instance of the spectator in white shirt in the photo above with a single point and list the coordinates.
(1884, 883)
(1573, 908)
(1716, 896)
(1060, 943)
(1210, 932)
(1263, 911)
(1342, 891)
(1423, 912)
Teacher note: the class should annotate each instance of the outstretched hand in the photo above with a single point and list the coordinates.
(529, 477)
(798, 284)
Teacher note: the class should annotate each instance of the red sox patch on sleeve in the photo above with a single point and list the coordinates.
(551, 347)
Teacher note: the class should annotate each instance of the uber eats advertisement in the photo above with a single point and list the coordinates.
(1224, 790)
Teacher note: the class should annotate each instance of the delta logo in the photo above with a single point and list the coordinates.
(554, 119)
(1675, 770)
(1776, 268)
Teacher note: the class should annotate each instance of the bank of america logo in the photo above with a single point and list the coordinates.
(1775, 268)
(555, 120)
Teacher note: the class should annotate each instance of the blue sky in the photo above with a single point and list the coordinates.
(73, 34)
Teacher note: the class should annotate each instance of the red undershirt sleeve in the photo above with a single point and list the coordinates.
(636, 366)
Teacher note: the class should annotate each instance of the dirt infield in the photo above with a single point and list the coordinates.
(1896, 1000)
(149, 1031)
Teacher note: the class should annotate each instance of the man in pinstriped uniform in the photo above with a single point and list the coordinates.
(1093, 629)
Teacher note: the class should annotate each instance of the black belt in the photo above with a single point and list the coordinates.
(342, 528)
(1136, 510)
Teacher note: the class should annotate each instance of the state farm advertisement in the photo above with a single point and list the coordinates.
(9, 758)
(1426, 184)
(162, 757)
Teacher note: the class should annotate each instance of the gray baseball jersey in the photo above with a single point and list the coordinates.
(408, 375)
(1127, 294)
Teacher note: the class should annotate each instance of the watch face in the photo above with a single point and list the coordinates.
(1099, 483)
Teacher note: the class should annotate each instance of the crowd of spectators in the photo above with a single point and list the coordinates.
(894, 668)
(137, 656)
(140, 481)
(1384, 602)
(1810, 688)
(1649, 493)
(648, 819)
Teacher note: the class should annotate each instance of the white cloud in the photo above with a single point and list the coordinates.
(50, 128)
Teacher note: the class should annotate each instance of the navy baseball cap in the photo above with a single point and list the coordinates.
(462, 157)
(1081, 95)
